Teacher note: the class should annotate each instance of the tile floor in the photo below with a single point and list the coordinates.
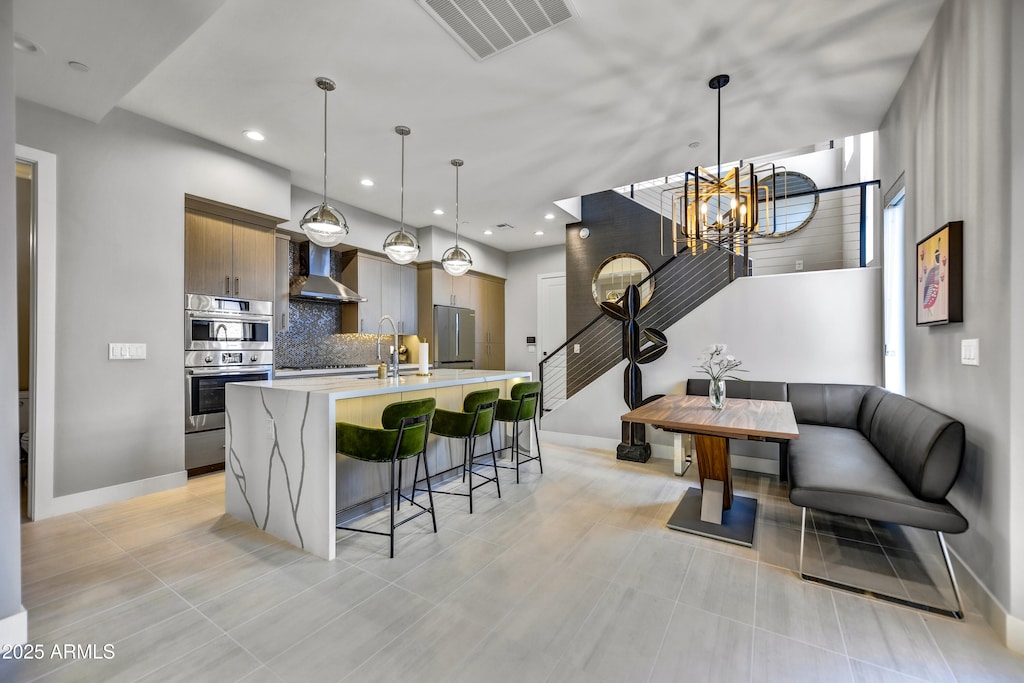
(571, 576)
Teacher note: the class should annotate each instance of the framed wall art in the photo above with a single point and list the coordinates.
(940, 281)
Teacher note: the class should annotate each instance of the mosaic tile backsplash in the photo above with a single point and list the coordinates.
(313, 337)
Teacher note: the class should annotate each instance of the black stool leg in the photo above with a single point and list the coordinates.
(536, 436)
(400, 485)
(391, 535)
(494, 463)
(430, 492)
(515, 446)
(467, 464)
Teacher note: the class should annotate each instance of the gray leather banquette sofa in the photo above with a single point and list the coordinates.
(866, 452)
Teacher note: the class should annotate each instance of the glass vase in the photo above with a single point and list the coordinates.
(716, 393)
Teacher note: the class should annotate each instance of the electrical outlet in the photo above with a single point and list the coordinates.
(575, 348)
(970, 353)
(799, 264)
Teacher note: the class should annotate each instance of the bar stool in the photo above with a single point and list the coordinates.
(404, 432)
(520, 406)
(476, 419)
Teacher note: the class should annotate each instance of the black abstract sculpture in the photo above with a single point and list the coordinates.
(639, 346)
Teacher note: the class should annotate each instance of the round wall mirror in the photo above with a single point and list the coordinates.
(796, 200)
(618, 272)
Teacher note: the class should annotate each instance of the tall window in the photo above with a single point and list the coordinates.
(894, 361)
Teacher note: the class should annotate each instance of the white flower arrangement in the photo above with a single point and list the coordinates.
(717, 364)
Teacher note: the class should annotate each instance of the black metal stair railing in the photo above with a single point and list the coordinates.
(681, 284)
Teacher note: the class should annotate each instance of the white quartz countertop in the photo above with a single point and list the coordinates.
(317, 372)
(341, 386)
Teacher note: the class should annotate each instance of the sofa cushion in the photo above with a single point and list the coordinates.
(924, 446)
(838, 470)
(762, 391)
(837, 405)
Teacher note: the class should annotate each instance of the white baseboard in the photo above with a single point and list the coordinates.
(111, 494)
(14, 629)
(1008, 628)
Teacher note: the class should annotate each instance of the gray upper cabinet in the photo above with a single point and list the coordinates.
(282, 259)
(389, 289)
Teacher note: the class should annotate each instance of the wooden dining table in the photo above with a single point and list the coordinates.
(713, 509)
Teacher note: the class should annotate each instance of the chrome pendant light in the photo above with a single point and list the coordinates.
(400, 246)
(456, 261)
(324, 224)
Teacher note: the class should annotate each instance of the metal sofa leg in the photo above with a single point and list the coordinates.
(958, 613)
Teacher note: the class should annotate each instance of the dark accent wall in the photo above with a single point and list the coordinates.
(617, 225)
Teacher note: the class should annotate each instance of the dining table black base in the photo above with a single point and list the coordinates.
(737, 522)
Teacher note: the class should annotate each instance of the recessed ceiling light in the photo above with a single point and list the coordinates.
(438, 212)
(539, 232)
(78, 66)
(488, 232)
(253, 135)
(367, 182)
(23, 44)
(549, 216)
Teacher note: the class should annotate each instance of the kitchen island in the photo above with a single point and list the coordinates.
(282, 473)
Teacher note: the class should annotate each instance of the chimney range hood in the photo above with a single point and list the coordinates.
(318, 284)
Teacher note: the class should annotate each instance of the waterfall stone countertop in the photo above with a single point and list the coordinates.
(346, 386)
(283, 472)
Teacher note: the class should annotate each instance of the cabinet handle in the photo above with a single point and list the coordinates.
(236, 286)
(284, 321)
(227, 284)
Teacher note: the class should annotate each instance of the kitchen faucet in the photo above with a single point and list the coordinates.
(394, 347)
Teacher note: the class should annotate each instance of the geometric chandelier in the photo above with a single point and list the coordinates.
(712, 209)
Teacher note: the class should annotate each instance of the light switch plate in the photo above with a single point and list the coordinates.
(124, 351)
(575, 348)
(970, 353)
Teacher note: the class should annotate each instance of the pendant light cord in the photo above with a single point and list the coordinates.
(402, 213)
(325, 146)
(457, 206)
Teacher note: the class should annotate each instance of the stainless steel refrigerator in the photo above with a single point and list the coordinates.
(454, 337)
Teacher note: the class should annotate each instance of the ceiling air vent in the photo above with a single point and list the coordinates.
(504, 226)
(486, 27)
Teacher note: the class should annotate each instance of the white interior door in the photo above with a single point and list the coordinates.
(551, 335)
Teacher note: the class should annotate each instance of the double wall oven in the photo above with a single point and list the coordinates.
(226, 340)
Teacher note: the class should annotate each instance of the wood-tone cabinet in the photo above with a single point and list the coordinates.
(228, 256)
(389, 289)
(489, 296)
(485, 294)
(282, 282)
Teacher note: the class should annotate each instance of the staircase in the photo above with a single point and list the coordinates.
(681, 284)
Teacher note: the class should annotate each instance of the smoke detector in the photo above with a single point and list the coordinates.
(485, 28)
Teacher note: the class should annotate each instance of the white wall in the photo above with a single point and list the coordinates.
(949, 131)
(521, 315)
(12, 619)
(806, 327)
(1016, 482)
(120, 271)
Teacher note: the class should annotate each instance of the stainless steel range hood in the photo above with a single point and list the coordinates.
(318, 284)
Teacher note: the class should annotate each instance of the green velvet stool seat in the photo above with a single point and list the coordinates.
(403, 435)
(521, 406)
(475, 420)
